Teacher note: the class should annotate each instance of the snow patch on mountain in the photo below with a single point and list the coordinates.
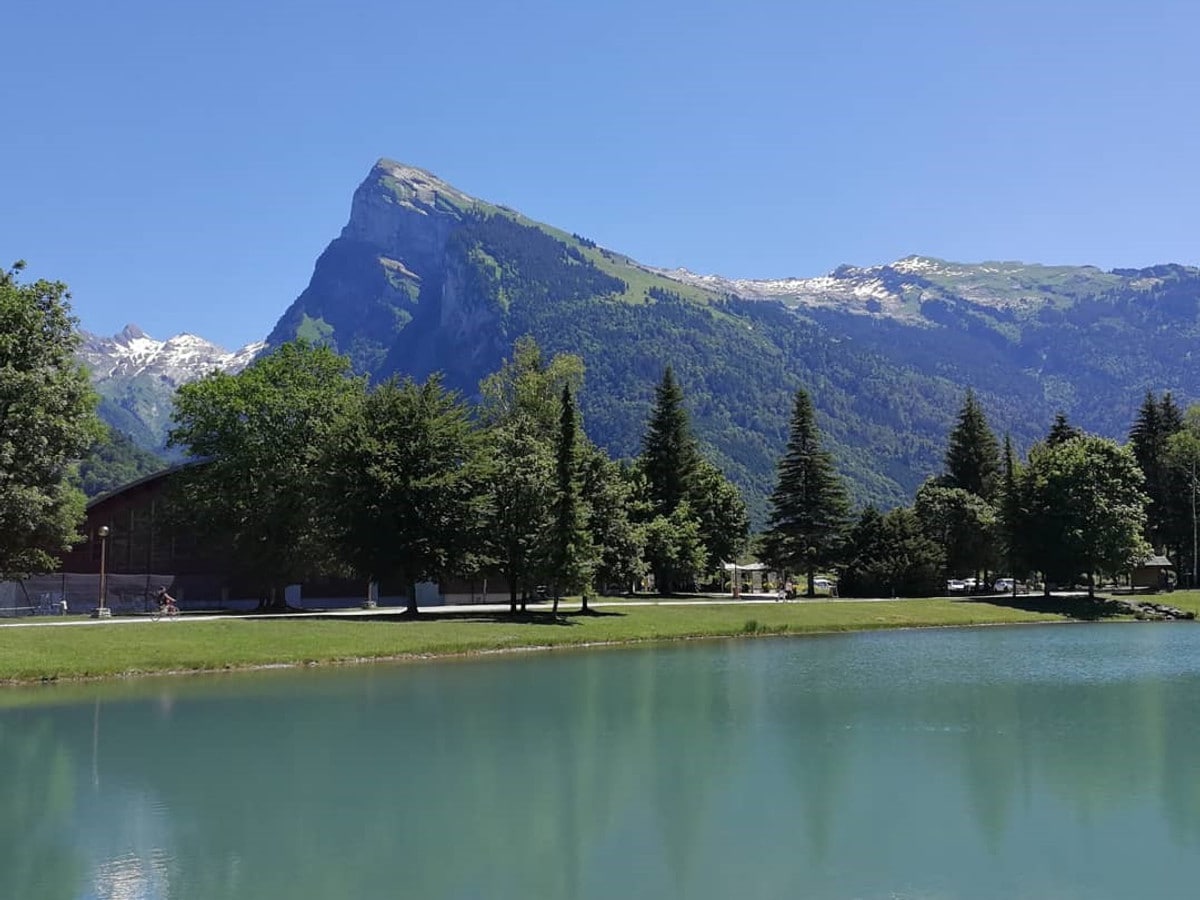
(897, 290)
(185, 357)
(867, 291)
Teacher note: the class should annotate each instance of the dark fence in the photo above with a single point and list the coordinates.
(65, 593)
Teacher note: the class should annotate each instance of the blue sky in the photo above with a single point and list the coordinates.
(181, 166)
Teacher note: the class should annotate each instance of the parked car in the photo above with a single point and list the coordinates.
(956, 585)
(1003, 585)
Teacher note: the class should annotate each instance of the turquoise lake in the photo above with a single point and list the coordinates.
(1028, 762)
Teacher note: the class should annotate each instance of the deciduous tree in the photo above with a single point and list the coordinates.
(890, 556)
(521, 407)
(408, 487)
(520, 483)
(47, 421)
(1087, 511)
(528, 386)
(262, 438)
(610, 491)
(962, 524)
(674, 550)
(721, 512)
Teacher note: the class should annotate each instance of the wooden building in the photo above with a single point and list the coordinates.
(145, 550)
(1153, 573)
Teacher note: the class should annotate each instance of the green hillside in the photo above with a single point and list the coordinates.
(458, 284)
(425, 278)
(115, 460)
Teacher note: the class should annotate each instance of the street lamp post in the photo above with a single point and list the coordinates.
(101, 611)
(1193, 584)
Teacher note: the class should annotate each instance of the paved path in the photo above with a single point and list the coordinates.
(565, 608)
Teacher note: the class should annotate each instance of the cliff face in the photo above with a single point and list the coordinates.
(405, 208)
(393, 287)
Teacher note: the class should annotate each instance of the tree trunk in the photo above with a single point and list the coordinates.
(412, 609)
(662, 582)
(583, 606)
(512, 596)
(811, 590)
(273, 602)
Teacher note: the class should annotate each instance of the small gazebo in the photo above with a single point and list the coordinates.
(736, 570)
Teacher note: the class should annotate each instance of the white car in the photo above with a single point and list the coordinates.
(822, 583)
(954, 585)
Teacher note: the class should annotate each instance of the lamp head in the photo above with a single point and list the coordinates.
(102, 531)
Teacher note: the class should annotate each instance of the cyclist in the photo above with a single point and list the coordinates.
(166, 603)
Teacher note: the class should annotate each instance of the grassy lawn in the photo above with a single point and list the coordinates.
(1188, 601)
(114, 649)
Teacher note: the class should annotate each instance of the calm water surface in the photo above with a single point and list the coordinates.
(1052, 762)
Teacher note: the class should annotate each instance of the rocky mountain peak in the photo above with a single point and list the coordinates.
(129, 334)
(402, 205)
(136, 375)
(409, 184)
(131, 353)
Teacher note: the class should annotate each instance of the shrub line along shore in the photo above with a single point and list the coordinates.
(234, 643)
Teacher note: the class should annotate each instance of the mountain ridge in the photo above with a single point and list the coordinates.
(424, 277)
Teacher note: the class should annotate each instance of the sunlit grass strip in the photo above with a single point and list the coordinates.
(105, 650)
(1188, 601)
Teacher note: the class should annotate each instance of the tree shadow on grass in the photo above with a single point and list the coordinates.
(495, 617)
(1073, 606)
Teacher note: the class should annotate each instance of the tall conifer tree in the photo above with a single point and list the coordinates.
(1062, 431)
(669, 455)
(810, 509)
(687, 497)
(1175, 517)
(1148, 440)
(973, 454)
(1010, 515)
(572, 552)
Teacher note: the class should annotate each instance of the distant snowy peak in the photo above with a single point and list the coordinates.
(877, 290)
(899, 289)
(185, 357)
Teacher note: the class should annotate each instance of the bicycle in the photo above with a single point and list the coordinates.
(170, 610)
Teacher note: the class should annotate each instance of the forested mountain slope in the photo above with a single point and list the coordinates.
(1039, 339)
(425, 278)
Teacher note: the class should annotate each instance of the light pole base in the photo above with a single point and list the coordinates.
(370, 604)
(101, 612)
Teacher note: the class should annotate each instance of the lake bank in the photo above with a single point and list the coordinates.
(31, 655)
